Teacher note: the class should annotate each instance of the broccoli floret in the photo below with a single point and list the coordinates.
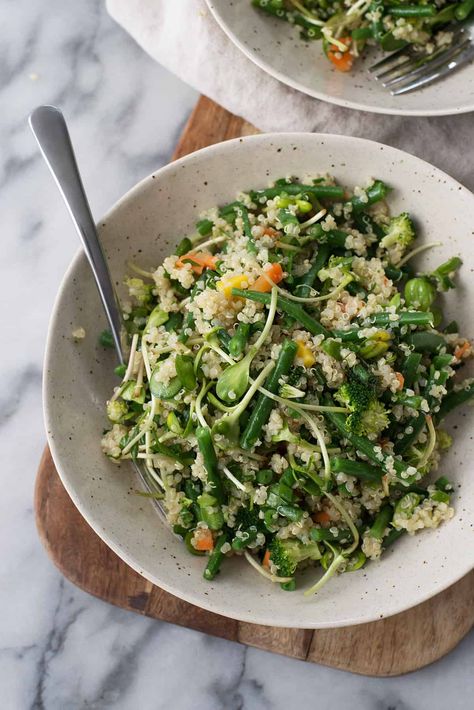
(400, 234)
(368, 415)
(139, 290)
(247, 518)
(287, 554)
(116, 410)
(374, 420)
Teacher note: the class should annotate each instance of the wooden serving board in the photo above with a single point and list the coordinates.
(392, 646)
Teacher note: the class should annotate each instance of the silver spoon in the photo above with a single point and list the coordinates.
(51, 132)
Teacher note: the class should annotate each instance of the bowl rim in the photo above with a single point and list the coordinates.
(321, 95)
(55, 445)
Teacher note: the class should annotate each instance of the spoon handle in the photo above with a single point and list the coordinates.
(50, 130)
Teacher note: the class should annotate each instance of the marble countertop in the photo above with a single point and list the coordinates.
(59, 648)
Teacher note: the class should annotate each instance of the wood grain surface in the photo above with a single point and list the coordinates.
(392, 646)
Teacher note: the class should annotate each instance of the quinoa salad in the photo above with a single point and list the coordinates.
(288, 378)
(348, 27)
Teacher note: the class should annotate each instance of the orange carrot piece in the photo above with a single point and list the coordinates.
(461, 349)
(343, 61)
(266, 559)
(275, 273)
(400, 378)
(198, 260)
(322, 517)
(205, 541)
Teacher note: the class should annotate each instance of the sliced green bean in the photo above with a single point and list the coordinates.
(215, 558)
(206, 447)
(264, 404)
(359, 469)
(289, 307)
(381, 522)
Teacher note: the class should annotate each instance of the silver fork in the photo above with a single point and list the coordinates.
(51, 132)
(407, 70)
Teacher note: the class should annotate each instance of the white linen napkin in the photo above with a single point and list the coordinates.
(183, 36)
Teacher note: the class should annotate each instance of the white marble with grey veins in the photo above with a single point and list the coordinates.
(59, 648)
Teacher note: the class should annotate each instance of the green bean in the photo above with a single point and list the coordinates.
(215, 558)
(361, 443)
(184, 246)
(210, 511)
(376, 192)
(190, 547)
(359, 469)
(414, 401)
(264, 405)
(307, 281)
(204, 227)
(410, 369)
(206, 447)
(330, 535)
(392, 537)
(289, 307)
(248, 536)
(411, 10)
(242, 211)
(420, 293)
(463, 10)
(321, 192)
(425, 342)
(393, 273)
(364, 222)
(453, 400)
(383, 518)
(185, 371)
(238, 342)
(404, 318)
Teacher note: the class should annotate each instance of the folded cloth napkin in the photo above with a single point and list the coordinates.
(183, 36)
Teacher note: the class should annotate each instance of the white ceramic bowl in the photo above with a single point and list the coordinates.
(276, 47)
(144, 226)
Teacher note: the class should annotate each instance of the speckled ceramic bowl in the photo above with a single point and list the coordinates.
(144, 226)
(276, 47)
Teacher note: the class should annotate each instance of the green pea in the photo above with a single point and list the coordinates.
(288, 586)
(419, 293)
(120, 370)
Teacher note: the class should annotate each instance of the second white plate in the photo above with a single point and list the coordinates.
(276, 47)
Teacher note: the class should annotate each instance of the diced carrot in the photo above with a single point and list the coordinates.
(400, 378)
(205, 541)
(266, 559)
(461, 350)
(343, 61)
(322, 517)
(270, 232)
(275, 273)
(198, 260)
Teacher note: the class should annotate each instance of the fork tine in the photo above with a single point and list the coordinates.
(388, 60)
(396, 67)
(434, 63)
(453, 64)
